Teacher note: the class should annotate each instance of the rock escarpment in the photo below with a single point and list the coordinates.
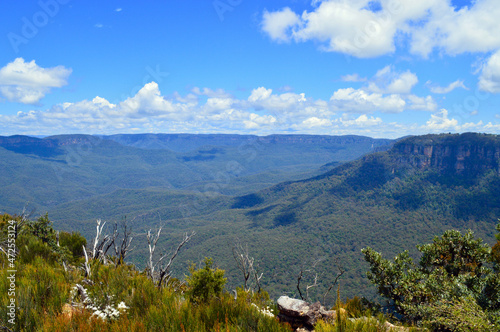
(469, 153)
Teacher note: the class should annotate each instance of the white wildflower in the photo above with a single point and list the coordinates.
(122, 305)
(266, 311)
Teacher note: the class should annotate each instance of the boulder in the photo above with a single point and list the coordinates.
(300, 314)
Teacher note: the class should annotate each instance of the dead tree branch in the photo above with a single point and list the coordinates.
(301, 274)
(339, 274)
(152, 240)
(124, 248)
(243, 261)
(247, 265)
(165, 271)
(101, 246)
(299, 278)
(86, 265)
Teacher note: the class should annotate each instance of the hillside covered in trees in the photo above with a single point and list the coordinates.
(312, 230)
(54, 281)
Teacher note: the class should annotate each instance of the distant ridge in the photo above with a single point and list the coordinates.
(189, 142)
(30, 145)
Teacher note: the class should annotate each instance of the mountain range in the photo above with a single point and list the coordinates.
(297, 202)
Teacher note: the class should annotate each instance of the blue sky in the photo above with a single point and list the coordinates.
(378, 68)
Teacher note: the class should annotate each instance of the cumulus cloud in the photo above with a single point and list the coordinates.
(148, 102)
(442, 90)
(421, 103)
(455, 32)
(262, 112)
(386, 80)
(313, 122)
(387, 91)
(440, 121)
(359, 29)
(361, 101)
(262, 98)
(277, 24)
(362, 121)
(490, 76)
(27, 83)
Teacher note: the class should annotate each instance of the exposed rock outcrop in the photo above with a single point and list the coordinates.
(469, 153)
(300, 314)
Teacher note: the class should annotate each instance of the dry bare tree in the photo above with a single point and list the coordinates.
(163, 274)
(247, 265)
(102, 243)
(342, 270)
(123, 249)
(312, 270)
(301, 273)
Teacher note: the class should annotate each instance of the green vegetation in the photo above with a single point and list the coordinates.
(115, 297)
(205, 283)
(387, 200)
(455, 287)
(451, 289)
(55, 170)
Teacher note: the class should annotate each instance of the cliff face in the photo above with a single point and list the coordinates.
(459, 154)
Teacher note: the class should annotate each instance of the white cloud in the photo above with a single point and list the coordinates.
(387, 91)
(466, 30)
(262, 98)
(440, 122)
(351, 27)
(353, 78)
(316, 122)
(452, 86)
(277, 24)
(362, 121)
(118, 10)
(27, 83)
(490, 76)
(98, 25)
(218, 104)
(347, 27)
(262, 112)
(421, 103)
(361, 101)
(148, 101)
(260, 94)
(386, 80)
(256, 121)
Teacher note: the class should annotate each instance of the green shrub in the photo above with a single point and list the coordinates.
(452, 267)
(74, 242)
(205, 283)
(463, 315)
